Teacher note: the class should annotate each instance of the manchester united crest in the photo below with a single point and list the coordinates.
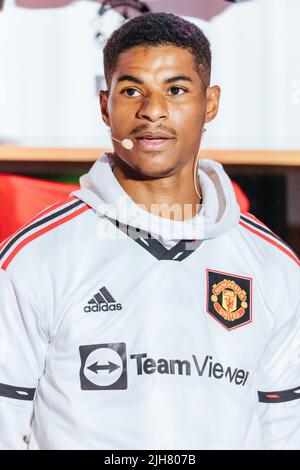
(229, 298)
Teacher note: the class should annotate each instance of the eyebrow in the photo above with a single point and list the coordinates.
(131, 78)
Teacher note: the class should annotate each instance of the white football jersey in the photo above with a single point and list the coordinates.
(120, 329)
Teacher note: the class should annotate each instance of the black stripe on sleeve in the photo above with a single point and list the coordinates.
(263, 229)
(269, 232)
(37, 224)
(19, 393)
(279, 397)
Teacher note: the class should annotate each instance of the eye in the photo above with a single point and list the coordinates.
(130, 92)
(176, 90)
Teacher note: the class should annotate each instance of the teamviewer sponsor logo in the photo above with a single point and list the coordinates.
(201, 367)
(102, 301)
(103, 366)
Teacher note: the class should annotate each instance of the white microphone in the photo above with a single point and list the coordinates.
(126, 143)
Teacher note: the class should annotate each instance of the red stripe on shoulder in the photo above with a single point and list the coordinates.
(41, 232)
(273, 242)
(36, 217)
(255, 219)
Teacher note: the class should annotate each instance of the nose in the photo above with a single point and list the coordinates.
(153, 108)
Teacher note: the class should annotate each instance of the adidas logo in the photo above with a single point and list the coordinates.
(103, 301)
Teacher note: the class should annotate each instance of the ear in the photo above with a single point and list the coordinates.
(103, 97)
(213, 94)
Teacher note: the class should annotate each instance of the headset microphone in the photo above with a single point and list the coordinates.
(126, 143)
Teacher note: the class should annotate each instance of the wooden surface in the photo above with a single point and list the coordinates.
(81, 155)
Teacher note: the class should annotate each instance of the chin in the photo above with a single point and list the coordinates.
(161, 172)
(154, 165)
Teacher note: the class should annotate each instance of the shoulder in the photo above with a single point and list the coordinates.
(24, 241)
(265, 239)
(275, 266)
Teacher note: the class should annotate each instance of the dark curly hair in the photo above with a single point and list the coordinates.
(157, 29)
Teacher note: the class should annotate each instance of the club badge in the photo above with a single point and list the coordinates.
(229, 298)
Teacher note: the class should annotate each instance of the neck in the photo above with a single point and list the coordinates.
(173, 197)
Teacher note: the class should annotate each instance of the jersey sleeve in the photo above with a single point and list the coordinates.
(23, 345)
(278, 380)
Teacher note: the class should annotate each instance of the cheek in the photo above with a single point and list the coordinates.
(188, 115)
(117, 109)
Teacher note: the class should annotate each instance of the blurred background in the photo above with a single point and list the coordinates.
(51, 71)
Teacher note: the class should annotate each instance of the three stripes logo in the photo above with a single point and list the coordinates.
(102, 301)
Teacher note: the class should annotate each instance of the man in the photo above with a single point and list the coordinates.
(132, 316)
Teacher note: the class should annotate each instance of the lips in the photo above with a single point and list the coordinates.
(154, 136)
(153, 142)
(158, 140)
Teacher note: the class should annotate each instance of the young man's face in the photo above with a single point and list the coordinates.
(157, 100)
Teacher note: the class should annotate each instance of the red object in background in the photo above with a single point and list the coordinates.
(241, 197)
(21, 198)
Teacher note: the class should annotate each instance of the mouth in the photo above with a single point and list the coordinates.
(155, 141)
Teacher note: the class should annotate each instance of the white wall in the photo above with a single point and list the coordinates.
(49, 61)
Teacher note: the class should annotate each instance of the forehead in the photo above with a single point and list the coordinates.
(160, 61)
